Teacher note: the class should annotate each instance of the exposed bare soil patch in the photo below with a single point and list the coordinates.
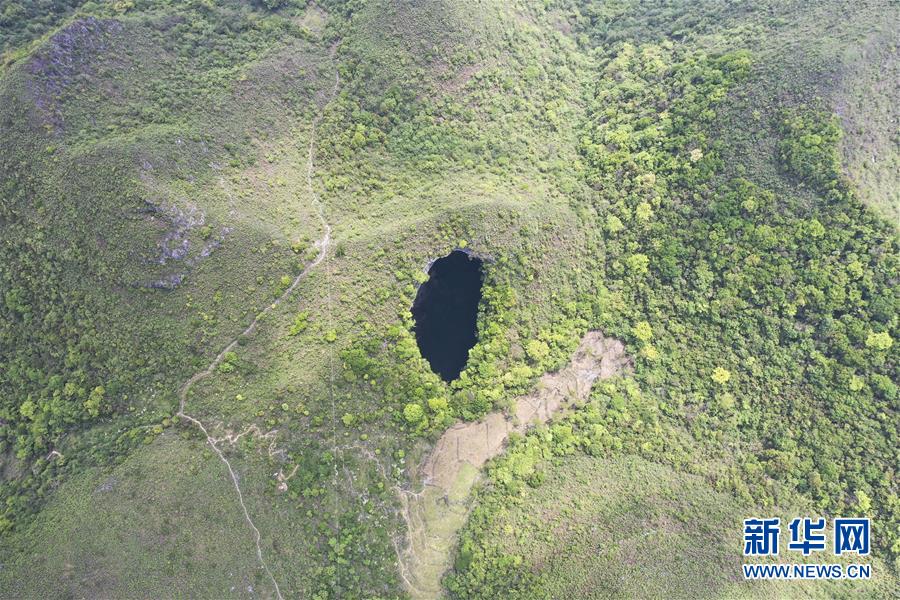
(436, 513)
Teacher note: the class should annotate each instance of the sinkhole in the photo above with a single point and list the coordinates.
(446, 310)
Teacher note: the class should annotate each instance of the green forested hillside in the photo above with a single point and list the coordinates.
(216, 214)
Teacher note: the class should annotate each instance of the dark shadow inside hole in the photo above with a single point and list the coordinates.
(446, 311)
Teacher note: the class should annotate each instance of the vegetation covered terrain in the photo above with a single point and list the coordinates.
(216, 214)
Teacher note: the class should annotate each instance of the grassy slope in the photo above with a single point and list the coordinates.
(627, 527)
(465, 136)
(192, 137)
(118, 532)
(817, 56)
(794, 64)
(116, 188)
(392, 206)
(863, 101)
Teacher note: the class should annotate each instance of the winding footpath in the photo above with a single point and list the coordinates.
(323, 245)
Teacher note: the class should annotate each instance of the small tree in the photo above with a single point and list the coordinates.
(537, 351)
(879, 341)
(413, 413)
(720, 375)
(638, 264)
(94, 401)
(643, 331)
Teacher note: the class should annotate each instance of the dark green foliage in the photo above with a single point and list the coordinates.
(23, 20)
(754, 319)
(64, 363)
(590, 151)
(792, 296)
(809, 149)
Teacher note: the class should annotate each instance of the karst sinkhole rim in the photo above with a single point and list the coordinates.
(445, 312)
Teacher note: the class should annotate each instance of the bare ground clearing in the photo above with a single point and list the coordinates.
(435, 514)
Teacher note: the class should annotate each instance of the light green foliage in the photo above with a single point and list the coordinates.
(94, 401)
(643, 331)
(413, 413)
(301, 322)
(711, 263)
(614, 224)
(720, 375)
(879, 341)
(638, 264)
(537, 350)
(622, 165)
(643, 212)
(863, 502)
(438, 405)
(725, 401)
(26, 409)
(229, 362)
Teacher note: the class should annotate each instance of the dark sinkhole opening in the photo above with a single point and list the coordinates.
(446, 312)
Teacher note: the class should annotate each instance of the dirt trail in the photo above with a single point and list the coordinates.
(436, 513)
(322, 245)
